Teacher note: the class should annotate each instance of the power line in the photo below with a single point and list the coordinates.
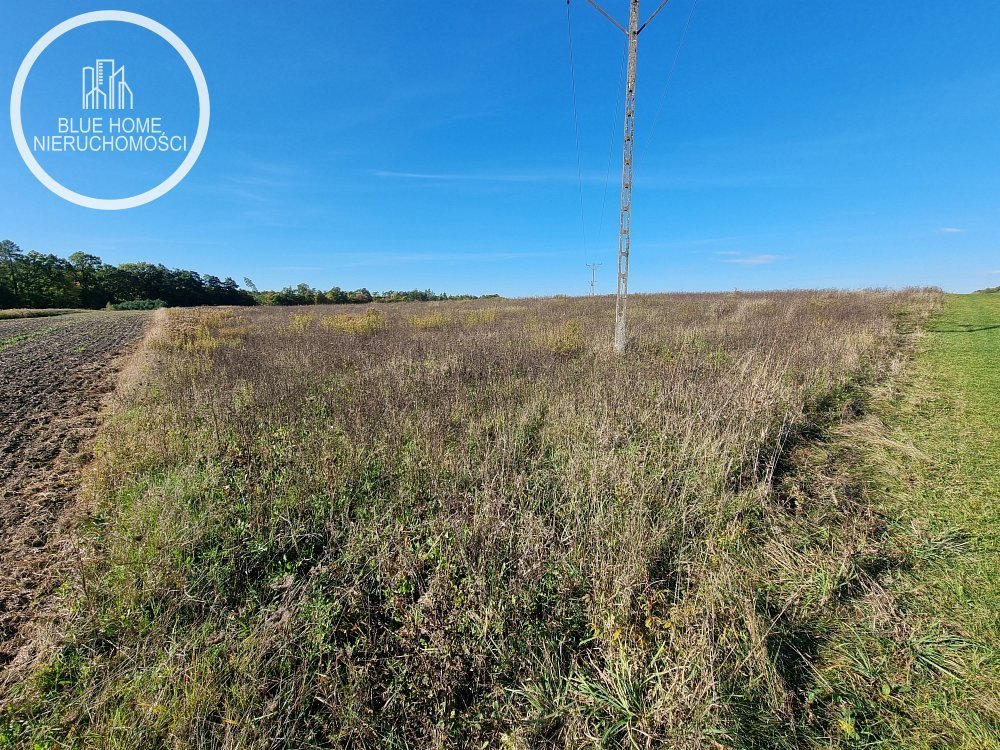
(625, 220)
(611, 137)
(608, 16)
(670, 74)
(576, 120)
(576, 124)
(654, 15)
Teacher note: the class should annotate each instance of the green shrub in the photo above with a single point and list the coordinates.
(140, 304)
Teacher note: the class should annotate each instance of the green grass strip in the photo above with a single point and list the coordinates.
(953, 417)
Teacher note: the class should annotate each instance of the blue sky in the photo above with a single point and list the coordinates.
(401, 145)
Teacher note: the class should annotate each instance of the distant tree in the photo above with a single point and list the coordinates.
(83, 280)
(10, 255)
(90, 275)
(46, 280)
(361, 295)
(36, 279)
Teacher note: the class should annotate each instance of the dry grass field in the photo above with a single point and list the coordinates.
(468, 525)
(13, 314)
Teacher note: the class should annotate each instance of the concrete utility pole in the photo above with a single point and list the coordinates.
(593, 276)
(625, 223)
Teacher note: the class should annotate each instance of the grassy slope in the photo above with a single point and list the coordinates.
(953, 417)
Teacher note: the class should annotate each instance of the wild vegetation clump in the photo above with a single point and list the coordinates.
(565, 339)
(139, 304)
(369, 322)
(300, 322)
(481, 317)
(480, 535)
(430, 320)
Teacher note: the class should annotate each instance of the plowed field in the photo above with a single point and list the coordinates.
(54, 375)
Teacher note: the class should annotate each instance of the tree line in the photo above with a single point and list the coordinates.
(303, 294)
(40, 280)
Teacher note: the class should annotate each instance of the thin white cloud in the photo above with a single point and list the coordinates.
(483, 177)
(951, 230)
(375, 259)
(753, 260)
(649, 181)
(728, 252)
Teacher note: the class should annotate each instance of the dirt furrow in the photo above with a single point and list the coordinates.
(54, 376)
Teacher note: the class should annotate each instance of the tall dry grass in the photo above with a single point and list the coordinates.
(15, 313)
(468, 525)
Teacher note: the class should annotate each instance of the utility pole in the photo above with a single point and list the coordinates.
(625, 222)
(593, 276)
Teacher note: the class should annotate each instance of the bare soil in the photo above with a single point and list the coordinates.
(54, 376)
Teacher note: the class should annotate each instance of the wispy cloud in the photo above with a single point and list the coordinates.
(753, 260)
(475, 176)
(353, 259)
(951, 230)
(728, 252)
(649, 181)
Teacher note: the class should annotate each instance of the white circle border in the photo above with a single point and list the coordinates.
(204, 110)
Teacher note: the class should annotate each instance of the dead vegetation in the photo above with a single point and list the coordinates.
(468, 525)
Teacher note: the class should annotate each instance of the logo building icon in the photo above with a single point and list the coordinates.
(104, 86)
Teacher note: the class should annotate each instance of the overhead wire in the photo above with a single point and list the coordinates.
(615, 124)
(576, 123)
(617, 116)
(670, 77)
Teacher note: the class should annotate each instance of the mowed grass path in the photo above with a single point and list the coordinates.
(954, 418)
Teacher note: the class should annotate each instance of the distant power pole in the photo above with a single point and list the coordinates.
(593, 276)
(625, 223)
